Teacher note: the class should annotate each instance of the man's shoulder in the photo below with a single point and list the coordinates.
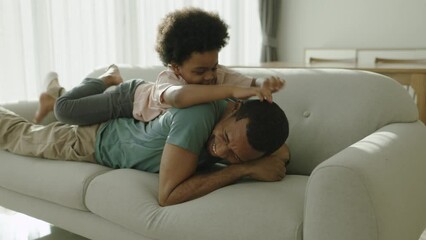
(190, 128)
(213, 109)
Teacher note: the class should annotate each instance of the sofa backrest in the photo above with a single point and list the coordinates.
(149, 73)
(330, 109)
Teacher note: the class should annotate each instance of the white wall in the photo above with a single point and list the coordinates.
(350, 24)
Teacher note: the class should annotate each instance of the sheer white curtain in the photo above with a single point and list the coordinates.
(72, 37)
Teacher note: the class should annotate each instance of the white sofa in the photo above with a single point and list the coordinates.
(357, 171)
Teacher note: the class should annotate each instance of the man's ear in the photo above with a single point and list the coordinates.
(231, 109)
(237, 106)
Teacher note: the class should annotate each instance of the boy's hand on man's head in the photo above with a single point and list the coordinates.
(247, 92)
(273, 83)
(261, 88)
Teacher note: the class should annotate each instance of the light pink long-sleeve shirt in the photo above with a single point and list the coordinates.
(148, 100)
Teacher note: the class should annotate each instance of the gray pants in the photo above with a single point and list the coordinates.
(89, 103)
(54, 141)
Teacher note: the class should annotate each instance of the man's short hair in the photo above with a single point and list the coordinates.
(267, 129)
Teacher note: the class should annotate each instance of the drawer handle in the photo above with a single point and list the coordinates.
(402, 61)
(341, 60)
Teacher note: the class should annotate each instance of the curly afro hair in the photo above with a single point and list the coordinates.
(189, 30)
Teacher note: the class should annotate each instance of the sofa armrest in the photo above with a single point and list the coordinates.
(373, 189)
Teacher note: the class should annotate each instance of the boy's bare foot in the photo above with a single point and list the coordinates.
(46, 104)
(48, 98)
(111, 76)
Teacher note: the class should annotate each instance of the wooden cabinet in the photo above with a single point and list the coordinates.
(330, 55)
(367, 57)
(407, 66)
(391, 56)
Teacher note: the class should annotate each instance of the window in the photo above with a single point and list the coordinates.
(74, 37)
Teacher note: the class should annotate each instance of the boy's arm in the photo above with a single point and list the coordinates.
(272, 83)
(188, 95)
(232, 77)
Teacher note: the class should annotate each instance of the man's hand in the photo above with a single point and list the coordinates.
(270, 168)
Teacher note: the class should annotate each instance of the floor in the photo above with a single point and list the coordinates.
(17, 226)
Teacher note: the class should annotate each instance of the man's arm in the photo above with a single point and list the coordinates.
(270, 168)
(188, 95)
(179, 183)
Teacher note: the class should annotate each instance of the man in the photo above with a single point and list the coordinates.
(250, 136)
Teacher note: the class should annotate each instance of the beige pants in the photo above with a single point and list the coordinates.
(54, 141)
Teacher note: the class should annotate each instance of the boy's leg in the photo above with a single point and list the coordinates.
(88, 103)
(54, 141)
(48, 98)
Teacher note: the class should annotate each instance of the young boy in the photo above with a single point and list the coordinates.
(188, 43)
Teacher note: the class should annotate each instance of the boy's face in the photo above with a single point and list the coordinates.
(200, 68)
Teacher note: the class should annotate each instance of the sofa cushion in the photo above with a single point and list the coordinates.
(61, 182)
(249, 210)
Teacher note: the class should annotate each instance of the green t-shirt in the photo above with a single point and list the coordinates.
(129, 143)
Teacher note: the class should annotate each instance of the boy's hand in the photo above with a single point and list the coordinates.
(247, 92)
(263, 90)
(272, 83)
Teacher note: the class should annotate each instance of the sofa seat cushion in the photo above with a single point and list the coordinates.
(247, 210)
(61, 182)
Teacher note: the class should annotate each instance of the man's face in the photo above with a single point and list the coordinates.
(229, 141)
(200, 68)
